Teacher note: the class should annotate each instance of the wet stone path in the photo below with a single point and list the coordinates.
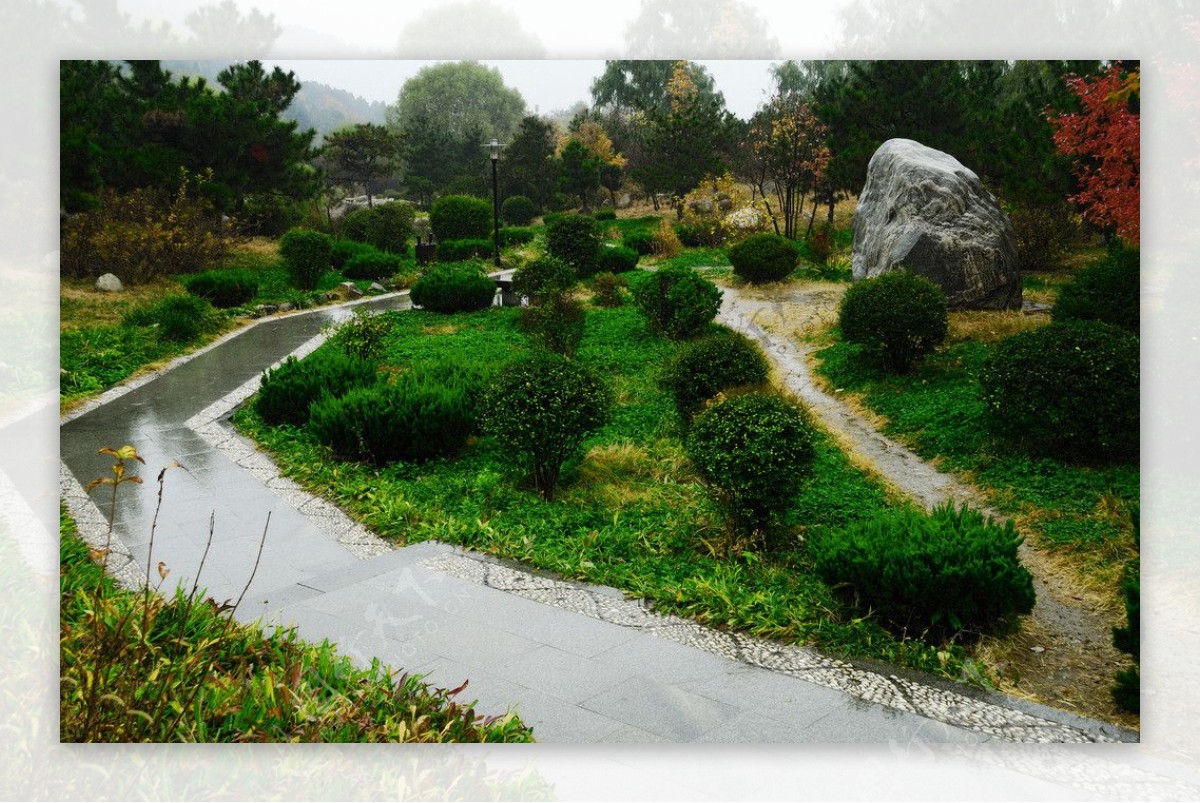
(579, 663)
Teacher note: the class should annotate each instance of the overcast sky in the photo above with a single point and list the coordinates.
(547, 86)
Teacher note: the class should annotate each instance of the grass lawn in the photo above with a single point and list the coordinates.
(630, 513)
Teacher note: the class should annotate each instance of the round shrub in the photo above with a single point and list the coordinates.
(754, 452)
(1107, 290)
(677, 302)
(557, 322)
(898, 318)
(344, 249)
(460, 250)
(705, 367)
(513, 235)
(543, 278)
(361, 226)
(453, 288)
(764, 257)
(942, 574)
(363, 334)
(541, 408)
(1068, 389)
(517, 210)
(307, 255)
(223, 289)
(461, 217)
(617, 259)
(605, 214)
(177, 318)
(287, 391)
(607, 288)
(640, 241)
(395, 226)
(371, 265)
(415, 418)
(575, 239)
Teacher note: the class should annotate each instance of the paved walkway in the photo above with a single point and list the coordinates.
(579, 663)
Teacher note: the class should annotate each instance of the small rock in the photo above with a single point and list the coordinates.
(376, 287)
(287, 306)
(1037, 649)
(351, 289)
(108, 283)
(266, 309)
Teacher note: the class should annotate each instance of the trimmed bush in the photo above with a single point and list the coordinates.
(616, 259)
(307, 255)
(605, 214)
(363, 335)
(513, 235)
(639, 241)
(461, 217)
(898, 318)
(344, 249)
(176, 318)
(575, 239)
(453, 288)
(361, 226)
(223, 289)
(607, 288)
(287, 392)
(395, 226)
(945, 574)
(517, 210)
(541, 408)
(754, 451)
(461, 250)
(1068, 389)
(764, 258)
(1108, 290)
(417, 417)
(705, 367)
(557, 322)
(693, 236)
(544, 278)
(371, 265)
(677, 302)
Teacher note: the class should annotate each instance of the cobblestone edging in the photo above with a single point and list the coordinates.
(949, 707)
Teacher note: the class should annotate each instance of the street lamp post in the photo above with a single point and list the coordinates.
(495, 146)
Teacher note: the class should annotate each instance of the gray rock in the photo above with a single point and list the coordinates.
(351, 289)
(624, 200)
(266, 309)
(921, 210)
(108, 283)
(287, 306)
(376, 287)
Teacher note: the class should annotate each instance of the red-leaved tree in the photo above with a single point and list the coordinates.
(1104, 139)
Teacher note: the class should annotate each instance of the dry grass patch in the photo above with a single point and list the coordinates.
(441, 329)
(81, 304)
(991, 326)
(617, 474)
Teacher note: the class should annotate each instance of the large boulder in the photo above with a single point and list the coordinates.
(109, 283)
(922, 211)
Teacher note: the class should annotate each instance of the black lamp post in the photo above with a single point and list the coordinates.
(495, 146)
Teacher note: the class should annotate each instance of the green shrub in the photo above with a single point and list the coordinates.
(223, 289)
(344, 249)
(640, 241)
(944, 574)
(705, 367)
(1068, 389)
(541, 408)
(453, 288)
(616, 259)
(575, 239)
(1044, 233)
(764, 258)
(607, 288)
(372, 265)
(287, 392)
(693, 236)
(176, 318)
(461, 250)
(898, 318)
(1107, 290)
(677, 302)
(605, 214)
(361, 226)
(517, 210)
(417, 417)
(461, 217)
(307, 255)
(395, 226)
(362, 335)
(513, 235)
(543, 278)
(557, 322)
(754, 452)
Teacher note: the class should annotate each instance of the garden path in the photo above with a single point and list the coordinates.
(579, 663)
(1064, 650)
